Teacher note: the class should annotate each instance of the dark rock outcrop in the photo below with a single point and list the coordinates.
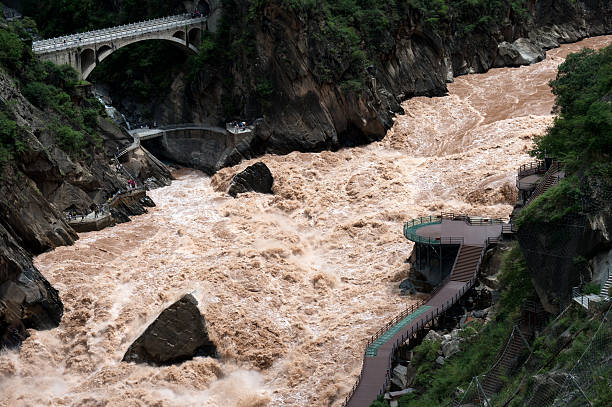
(557, 253)
(520, 52)
(178, 334)
(27, 300)
(256, 177)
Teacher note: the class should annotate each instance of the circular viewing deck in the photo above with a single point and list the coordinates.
(453, 229)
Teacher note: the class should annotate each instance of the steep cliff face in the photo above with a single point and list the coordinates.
(37, 185)
(281, 74)
(27, 300)
(572, 250)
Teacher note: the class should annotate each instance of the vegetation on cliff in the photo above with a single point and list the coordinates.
(52, 88)
(59, 17)
(582, 132)
(581, 136)
(348, 36)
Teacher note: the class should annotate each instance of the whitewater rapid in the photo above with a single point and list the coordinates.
(291, 284)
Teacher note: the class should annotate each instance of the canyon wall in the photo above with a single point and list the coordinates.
(305, 110)
(36, 188)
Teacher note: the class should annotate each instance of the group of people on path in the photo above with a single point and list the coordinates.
(132, 184)
(237, 125)
(96, 209)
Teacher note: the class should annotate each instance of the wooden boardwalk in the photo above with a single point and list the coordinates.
(377, 364)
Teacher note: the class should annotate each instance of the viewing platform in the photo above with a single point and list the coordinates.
(535, 178)
(465, 240)
(449, 228)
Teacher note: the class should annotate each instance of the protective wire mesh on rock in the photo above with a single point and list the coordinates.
(595, 363)
(575, 388)
(474, 395)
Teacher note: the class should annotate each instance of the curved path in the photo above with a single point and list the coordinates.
(473, 235)
(146, 134)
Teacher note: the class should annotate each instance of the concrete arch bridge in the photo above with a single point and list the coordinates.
(84, 51)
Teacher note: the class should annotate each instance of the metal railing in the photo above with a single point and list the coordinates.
(105, 208)
(119, 32)
(549, 179)
(429, 316)
(472, 220)
(508, 228)
(525, 185)
(411, 227)
(535, 167)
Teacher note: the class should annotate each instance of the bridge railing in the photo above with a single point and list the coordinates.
(120, 28)
(124, 31)
(93, 33)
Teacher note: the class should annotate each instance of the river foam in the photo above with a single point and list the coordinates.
(291, 284)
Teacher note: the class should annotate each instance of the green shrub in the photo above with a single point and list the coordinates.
(591, 288)
(515, 280)
(380, 402)
(559, 201)
(10, 142)
(582, 133)
(11, 50)
(71, 141)
(39, 94)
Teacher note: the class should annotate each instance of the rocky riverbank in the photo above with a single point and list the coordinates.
(37, 190)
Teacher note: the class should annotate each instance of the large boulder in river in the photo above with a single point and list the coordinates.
(256, 177)
(521, 52)
(178, 334)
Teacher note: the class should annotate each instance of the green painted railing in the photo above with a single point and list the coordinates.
(411, 227)
(372, 350)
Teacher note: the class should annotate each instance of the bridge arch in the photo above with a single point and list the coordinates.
(88, 59)
(195, 36)
(91, 59)
(83, 51)
(103, 52)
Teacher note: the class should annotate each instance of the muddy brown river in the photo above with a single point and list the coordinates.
(291, 284)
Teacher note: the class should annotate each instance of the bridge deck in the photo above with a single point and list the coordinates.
(106, 34)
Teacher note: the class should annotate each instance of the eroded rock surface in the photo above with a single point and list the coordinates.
(521, 52)
(178, 334)
(27, 300)
(37, 188)
(256, 177)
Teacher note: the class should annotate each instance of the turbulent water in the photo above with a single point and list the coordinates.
(291, 284)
